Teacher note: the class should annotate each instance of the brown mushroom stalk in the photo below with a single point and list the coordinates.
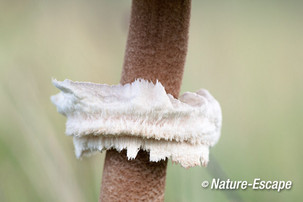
(156, 50)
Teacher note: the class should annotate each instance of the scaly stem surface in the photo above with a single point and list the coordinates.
(156, 50)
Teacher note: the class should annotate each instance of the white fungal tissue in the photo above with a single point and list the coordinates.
(140, 115)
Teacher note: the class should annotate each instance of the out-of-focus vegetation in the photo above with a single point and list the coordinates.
(247, 53)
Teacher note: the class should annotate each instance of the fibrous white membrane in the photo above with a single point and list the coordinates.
(140, 115)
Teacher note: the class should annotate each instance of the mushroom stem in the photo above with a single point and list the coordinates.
(156, 50)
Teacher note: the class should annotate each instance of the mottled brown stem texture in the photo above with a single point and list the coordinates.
(156, 50)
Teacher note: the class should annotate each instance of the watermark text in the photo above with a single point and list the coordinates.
(257, 184)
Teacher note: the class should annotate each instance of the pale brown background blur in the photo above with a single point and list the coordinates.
(247, 53)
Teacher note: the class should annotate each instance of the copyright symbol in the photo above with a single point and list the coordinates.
(205, 184)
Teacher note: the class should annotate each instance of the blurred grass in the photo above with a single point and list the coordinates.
(247, 53)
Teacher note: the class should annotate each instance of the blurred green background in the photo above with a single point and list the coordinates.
(247, 53)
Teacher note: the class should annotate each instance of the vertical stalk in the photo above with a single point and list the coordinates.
(156, 50)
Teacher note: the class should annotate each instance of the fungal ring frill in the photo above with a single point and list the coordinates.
(140, 115)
